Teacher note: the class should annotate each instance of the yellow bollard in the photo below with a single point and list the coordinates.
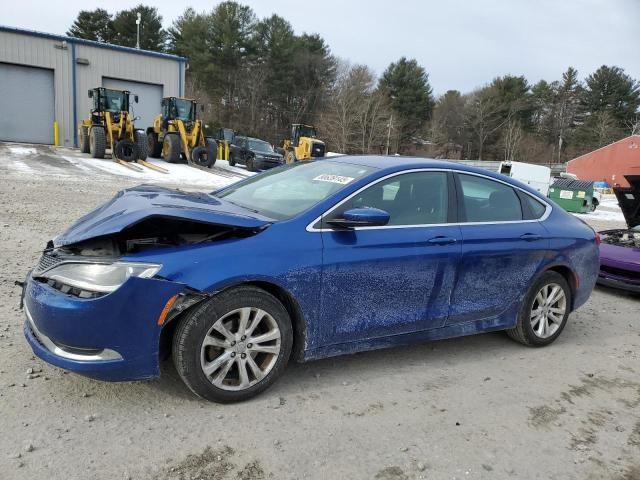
(219, 155)
(56, 133)
(226, 150)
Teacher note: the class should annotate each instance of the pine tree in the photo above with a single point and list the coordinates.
(407, 85)
(152, 35)
(93, 25)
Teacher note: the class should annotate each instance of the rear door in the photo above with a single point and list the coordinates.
(395, 279)
(503, 245)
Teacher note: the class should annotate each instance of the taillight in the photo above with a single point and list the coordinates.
(598, 239)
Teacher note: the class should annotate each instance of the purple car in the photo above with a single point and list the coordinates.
(620, 248)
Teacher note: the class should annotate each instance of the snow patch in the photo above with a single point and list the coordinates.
(22, 150)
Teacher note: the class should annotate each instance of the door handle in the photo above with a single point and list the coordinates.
(441, 240)
(529, 237)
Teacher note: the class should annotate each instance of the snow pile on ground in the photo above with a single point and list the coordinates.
(22, 150)
(607, 211)
(179, 173)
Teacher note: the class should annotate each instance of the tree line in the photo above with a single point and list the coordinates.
(258, 76)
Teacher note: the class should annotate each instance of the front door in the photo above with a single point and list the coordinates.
(380, 281)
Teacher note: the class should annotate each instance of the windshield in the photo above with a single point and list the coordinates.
(286, 191)
(112, 100)
(260, 146)
(307, 131)
(184, 109)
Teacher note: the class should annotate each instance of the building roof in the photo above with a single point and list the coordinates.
(91, 43)
(636, 137)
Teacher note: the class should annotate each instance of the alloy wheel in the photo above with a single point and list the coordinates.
(240, 349)
(548, 310)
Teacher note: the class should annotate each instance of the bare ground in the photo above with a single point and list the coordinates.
(479, 407)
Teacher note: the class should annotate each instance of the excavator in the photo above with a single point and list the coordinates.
(177, 134)
(111, 126)
(303, 144)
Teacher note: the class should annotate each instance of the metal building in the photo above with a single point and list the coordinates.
(610, 163)
(44, 80)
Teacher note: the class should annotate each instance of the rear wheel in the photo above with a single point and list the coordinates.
(171, 148)
(232, 159)
(544, 312)
(97, 141)
(235, 346)
(142, 144)
(154, 147)
(84, 140)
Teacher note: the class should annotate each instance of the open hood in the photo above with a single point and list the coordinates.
(134, 205)
(629, 200)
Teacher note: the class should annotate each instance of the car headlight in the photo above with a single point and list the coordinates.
(99, 277)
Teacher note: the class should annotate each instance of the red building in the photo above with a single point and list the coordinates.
(610, 163)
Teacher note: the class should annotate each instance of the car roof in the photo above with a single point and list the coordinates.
(392, 164)
(400, 162)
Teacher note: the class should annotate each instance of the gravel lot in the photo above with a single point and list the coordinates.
(480, 407)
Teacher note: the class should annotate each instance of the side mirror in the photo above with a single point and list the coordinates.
(361, 217)
(90, 93)
(135, 98)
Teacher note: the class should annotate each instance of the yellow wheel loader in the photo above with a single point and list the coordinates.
(110, 126)
(177, 134)
(303, 144)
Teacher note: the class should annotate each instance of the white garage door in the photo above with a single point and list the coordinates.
(27, 99)
(149, 99)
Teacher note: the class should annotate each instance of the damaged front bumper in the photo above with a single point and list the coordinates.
(114, 337)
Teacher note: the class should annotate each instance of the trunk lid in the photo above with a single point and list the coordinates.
(131, 206)
(629, 200)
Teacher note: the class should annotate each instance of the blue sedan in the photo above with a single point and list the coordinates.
(304, 261)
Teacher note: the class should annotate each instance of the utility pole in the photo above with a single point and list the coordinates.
(138, 34)
(389, 132)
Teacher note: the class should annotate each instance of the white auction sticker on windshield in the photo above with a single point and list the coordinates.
(325, 177)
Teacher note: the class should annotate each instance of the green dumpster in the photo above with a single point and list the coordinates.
(572, 195)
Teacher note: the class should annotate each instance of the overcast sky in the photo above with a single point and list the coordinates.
(461, 44)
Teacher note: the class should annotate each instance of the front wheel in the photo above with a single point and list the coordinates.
(142, 143)
(171, 148)
(235, 346)
(544, 312)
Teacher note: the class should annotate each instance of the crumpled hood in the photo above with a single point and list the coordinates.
(133, 205)
(629, 200)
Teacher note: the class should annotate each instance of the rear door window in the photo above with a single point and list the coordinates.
(486, 200)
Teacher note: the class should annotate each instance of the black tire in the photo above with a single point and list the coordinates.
(97, 141)
(126, 150)
(171, 148)
(232, 159)
(84, 140)
(142, 144)
(193, 328)
(154, 147)
(249, 163)
(524, 332)
(211, 147)
(199, 156)
(290, 157)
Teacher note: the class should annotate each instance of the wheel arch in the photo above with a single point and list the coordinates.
(286, 298)
(569, 275)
